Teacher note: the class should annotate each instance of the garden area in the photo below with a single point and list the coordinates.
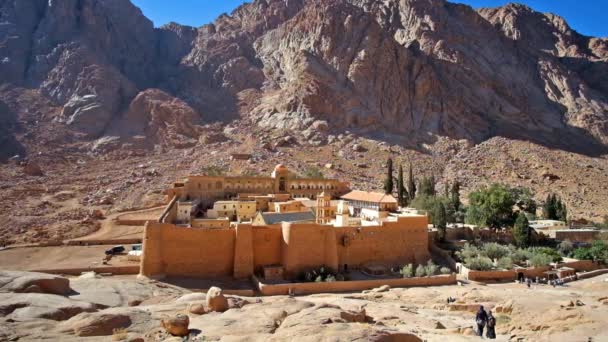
(494, 256)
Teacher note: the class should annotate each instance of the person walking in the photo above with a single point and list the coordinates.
(481, 318)
(490, 331)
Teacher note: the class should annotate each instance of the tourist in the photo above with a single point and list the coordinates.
(528, 282)
(490, 331)
(481, 318)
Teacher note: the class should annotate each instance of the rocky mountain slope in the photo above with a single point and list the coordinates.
(81, 78)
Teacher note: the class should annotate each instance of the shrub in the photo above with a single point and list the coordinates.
(407, 271)
(420, 271)
(479, 263)
(540, 259)
(330, 278)
(467, 252)
(445, 270)
(505, 263)
(319, 279)
(555, 256)
(565, 247)
(495, 251)
(520, 256)
(431, 269)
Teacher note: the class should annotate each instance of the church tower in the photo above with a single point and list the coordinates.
(323, 214)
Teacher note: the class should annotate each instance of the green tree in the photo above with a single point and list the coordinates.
(495, 251)
(550, 207)
(402, 194)
(455, 196)
(411, 188)
(491, 207)
(522, 231)
(440, 220)
(388, 182)
(561, 211)
(427, 187)
(524, 200)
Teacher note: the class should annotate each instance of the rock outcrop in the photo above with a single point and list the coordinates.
(409, 67)
(14, 281)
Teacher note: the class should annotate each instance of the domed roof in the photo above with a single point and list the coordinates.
(280, 167)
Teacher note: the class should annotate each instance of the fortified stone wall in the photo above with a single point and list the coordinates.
(169, 250)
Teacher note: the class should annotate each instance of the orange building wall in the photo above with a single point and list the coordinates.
(395, 243)
(267, 246)
(180, 251)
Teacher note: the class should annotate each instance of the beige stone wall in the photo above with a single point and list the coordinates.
(246, 210)
(356, 285)
(210, 223)
(179, 251)
(574, 235)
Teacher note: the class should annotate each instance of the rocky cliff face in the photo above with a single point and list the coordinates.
(413, 69)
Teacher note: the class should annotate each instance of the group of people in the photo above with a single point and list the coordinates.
(485, 320)
(555, 282)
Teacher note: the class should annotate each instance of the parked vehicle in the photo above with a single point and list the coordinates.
(136, 247)
(115, 250)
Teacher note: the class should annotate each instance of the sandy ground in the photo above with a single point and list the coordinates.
(60, 257)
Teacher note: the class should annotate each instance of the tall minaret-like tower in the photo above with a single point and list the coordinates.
(323, 208)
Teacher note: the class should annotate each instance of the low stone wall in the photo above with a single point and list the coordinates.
(580, 265)
(115, 270)
(349, 286)
(533, 272)
(496, 275)
(104, 242)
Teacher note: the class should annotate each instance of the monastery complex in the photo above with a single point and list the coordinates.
(278, 227)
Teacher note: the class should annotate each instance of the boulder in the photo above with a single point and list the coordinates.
(176, 325)
(95, 324)
(17, 281)
(33, 306)
(197, 309)
(192, 297)
(32, 169)
(355, 316)
(215, 300)
(87, 114)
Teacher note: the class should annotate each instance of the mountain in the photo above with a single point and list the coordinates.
(95, 76)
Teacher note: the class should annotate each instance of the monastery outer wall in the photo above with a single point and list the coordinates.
(176, 251)
(169, 250)
(267, 246)
(392, 243)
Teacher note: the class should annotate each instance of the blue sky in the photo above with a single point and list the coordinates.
(585, 16)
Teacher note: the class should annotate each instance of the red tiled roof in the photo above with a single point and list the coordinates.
(364, 196)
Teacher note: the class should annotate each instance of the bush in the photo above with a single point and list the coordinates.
(479, 263)
(555, 256)
(565, 247)
(420, 271)
(407, 271)
(519, 255)
(505, 263)
(431, 269)
(495, 251)
(330, 278)
(319, 279)
(445, 270)
(467, 252)
(540, 260)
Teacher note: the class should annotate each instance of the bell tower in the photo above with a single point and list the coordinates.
(323, 214)
(280, 175)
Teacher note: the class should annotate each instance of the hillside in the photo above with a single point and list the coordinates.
(90, 90)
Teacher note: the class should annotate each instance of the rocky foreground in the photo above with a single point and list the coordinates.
(36, 306)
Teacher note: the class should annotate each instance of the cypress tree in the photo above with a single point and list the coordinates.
(455, 196)
(402, 194)
(522, 234)
(411, 188)
(388, 183)
(440, 220)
